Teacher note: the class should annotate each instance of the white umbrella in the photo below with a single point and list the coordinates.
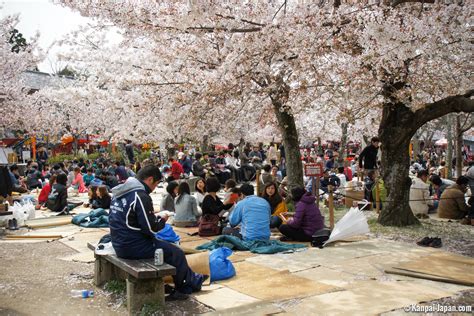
(352, 224)
(441, 142)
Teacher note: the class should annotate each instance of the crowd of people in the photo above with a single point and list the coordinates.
(212, 191)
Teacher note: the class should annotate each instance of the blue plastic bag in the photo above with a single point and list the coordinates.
(96, 182)
(168, 234)
(221, 267)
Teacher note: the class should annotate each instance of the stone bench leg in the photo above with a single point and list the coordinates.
(140, 292)
(104, 271)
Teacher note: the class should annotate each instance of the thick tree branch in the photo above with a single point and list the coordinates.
(398, 2)
(211, 29)
(457, 103)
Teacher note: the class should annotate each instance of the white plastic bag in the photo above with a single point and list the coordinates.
(29, 210)
(19, 213)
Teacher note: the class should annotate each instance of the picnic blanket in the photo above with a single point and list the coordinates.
(94, 219)
(255, 246)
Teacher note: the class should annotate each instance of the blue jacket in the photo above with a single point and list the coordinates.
(186, 164)
(133, 224)
(253, 213)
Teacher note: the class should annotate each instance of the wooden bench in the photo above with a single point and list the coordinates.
(144, 279)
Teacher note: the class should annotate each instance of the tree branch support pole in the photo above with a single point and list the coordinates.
(331, 206)
(377, 195)
(33, 148)
(458, 147)
(257, 183)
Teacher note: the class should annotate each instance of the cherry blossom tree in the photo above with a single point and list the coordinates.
(405, 62)
(14, 60)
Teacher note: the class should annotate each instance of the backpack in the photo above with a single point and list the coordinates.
(209, 225)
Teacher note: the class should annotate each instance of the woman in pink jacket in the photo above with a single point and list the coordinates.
(79, 181)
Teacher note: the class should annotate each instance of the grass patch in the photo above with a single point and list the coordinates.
(116, 286)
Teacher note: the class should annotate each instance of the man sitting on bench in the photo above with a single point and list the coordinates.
(133, 226)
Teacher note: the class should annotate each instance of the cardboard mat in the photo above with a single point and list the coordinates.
(223, 298)
(79, 241)
(199, 263)
(367, 298)
(441, 266)
(269, 284)
(238, 256)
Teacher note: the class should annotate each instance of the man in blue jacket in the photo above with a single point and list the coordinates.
(133, 226)
(185, 162)
(253, 215)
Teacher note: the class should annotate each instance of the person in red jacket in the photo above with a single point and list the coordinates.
(43, 196)
(176, 168)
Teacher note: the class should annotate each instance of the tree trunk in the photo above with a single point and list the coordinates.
(204, 144)
(395, 135)
(286, 122)
(170, 149)
(75, 144)
(449, 148)
(397, 127)
(342, 147)
(320, 147)
(459, 143)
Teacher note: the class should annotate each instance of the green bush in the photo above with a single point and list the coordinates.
(93, 156)
(60, 158)
(144, 155)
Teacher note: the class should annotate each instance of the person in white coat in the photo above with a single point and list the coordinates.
(272, 154)
(420, 200)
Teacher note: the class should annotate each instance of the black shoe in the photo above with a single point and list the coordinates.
(284, 238)
(15, 224)
(176, 296)
(425, 242)
(12, 224)
(201, 279)
(168, 289)
(436, 243)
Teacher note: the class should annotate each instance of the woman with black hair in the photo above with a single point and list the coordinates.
(167, 204)
(277, 204)
(57, 199)
(103, 198)
(198, 168)
(186, 210)
(307, 219)
(200, 191)
(212, 204)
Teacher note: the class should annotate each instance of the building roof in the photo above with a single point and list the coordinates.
(36, 80)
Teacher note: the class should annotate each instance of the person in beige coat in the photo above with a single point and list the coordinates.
(452, 204)
(420, 199)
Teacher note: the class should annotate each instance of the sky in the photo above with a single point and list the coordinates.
(51, 20)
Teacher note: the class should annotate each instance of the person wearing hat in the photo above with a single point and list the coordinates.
(185, 162)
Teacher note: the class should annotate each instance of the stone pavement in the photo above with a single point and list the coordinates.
(343, 278)
(355, 275)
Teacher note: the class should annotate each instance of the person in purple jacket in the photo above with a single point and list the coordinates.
(307, 219)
